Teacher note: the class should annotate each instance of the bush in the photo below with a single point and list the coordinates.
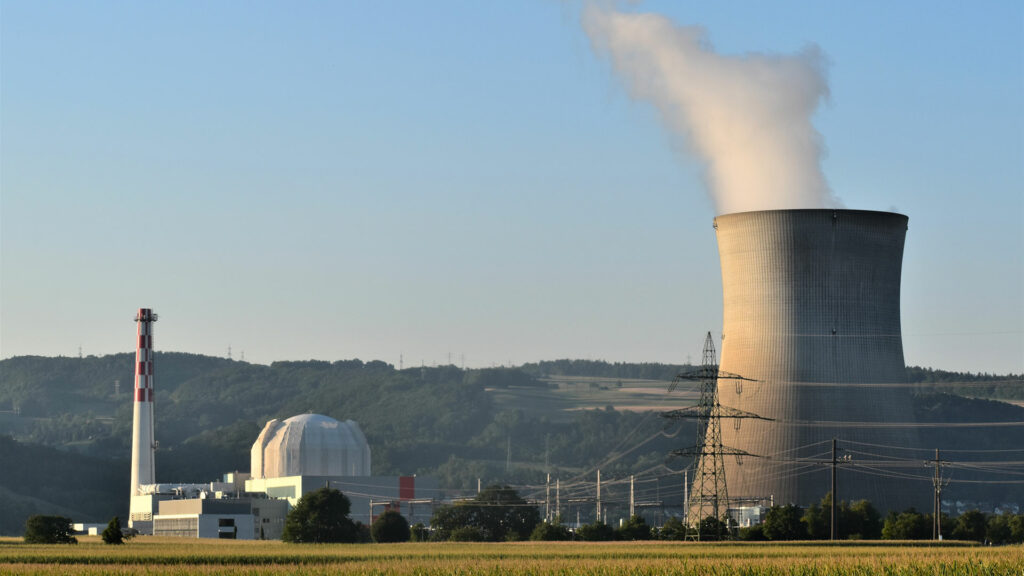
(112, 533)
(390, 527)
(753, 533)
(550, 532)
(48, 530)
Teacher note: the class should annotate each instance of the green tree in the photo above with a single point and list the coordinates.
(784, 523)
(635, 528)
(859, 521)
(971, 525)
(112, 533)
(390, 527)
(498, 512)
(467, 534)
(673, 529)
(596, 532)
(907, 525)
(547, 531)
(753, 533)
(419, 533)
(321, 516)
(1017, 529)
(48, 530)
(712, 528)
(998, 530)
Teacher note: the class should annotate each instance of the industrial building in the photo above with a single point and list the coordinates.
(289, 458)
(304, 453)
(811, 320)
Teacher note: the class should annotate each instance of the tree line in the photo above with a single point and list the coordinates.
(499, 514)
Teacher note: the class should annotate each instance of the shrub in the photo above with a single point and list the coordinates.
(390, 527)
(753, 533)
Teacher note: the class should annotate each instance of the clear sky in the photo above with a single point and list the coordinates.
(367, 179)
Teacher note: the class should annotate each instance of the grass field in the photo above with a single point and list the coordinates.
(178, 556)
(568, 394)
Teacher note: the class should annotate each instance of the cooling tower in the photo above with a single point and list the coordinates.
(812, 313)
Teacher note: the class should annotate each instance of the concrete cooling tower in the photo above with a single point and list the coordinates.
(812, 313)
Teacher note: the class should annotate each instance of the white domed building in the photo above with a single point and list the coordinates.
(310, 445)
(304, 453)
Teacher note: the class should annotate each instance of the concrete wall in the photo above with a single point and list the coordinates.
(812, 311)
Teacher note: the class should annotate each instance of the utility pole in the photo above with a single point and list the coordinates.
(835, 461)
(598, 496)
(547, 445)
(632, 508)
(938, 483)
(832, 531)
(547, 500)
(508, 454)
(558, 498)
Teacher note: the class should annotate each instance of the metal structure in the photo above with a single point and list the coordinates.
(143, 440)
(938, 485)
(811, 315)
(710, 494)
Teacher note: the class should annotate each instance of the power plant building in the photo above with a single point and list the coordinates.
(307, 452)
(811, 313)
(290, 458)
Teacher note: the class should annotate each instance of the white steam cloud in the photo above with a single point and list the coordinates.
(747, 117)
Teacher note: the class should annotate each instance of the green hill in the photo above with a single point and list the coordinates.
(73, 432)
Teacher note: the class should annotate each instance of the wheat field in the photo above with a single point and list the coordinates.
(157, 556)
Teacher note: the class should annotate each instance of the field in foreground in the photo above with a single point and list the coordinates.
(174, 556)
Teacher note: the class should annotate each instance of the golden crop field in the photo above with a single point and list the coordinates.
(185, 557)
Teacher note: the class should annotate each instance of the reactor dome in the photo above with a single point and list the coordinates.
(310, 445)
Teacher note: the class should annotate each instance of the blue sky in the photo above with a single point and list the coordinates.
(368, 179)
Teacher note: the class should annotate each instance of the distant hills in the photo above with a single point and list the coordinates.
(68, 421)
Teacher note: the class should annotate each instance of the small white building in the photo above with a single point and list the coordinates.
(205, 518)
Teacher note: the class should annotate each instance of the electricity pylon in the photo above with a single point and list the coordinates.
(710, 495)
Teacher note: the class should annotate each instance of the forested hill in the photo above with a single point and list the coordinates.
(508, 425)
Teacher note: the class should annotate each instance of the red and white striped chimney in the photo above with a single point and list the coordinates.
(143, 443)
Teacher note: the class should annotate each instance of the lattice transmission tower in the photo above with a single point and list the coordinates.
(709, 497)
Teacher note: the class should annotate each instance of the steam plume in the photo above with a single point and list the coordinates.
(747, 117)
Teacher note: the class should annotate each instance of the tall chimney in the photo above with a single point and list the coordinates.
(143, 443)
